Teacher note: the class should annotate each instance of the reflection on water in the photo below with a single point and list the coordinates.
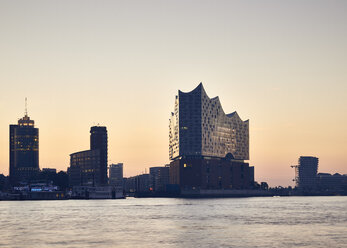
(159, 222)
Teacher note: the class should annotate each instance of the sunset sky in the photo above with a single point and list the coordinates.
(280, 64)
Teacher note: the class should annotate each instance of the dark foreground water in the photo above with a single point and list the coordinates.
(234, 222)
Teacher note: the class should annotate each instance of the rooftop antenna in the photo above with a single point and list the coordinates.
(26, 107)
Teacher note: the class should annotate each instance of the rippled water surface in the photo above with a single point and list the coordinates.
(160, 222)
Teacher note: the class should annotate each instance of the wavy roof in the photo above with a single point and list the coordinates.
(215, 99)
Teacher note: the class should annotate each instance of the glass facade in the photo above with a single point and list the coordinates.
(89, 168)
(199, 127)
(84, 168)
(24, 151)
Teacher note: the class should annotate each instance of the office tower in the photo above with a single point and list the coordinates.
(306, 173)
(206, 146)
(98, 141)
(115, 175)
(159, 178)
(24, 150)
(85, 168)
(89, 168)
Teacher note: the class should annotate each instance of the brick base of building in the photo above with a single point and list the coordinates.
(211, 173)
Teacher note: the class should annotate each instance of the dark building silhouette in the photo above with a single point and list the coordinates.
(24, 150)
(116, 176)
(137, 184)
(3, 182)
(159, 178)
(308, 180)
(129, 185)
(332, 183)
(49, 170)
(142, 183)
(306, 173)
(85, 168)
(211, 173)
(208, 147)
(49, 176)
(98, 141)
(89, 168)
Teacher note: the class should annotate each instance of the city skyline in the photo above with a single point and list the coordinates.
(100, 65)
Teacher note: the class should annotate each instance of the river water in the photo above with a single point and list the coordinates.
(164, 222)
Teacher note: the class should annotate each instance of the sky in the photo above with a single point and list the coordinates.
(280, 64)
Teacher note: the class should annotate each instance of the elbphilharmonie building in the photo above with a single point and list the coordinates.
(199, 127)
(207, 147)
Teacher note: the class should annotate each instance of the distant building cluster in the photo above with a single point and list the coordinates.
(157, 182)
(308, 179)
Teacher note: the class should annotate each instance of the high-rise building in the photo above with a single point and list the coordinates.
(98, 141)
(84, 168)
(24, 150)
(115, 176)
(89, 168)
(207, 147)
(199, 127)
(306, 173)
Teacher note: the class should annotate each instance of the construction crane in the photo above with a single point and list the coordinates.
(296, 173)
